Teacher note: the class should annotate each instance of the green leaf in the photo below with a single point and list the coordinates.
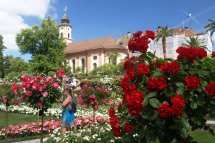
(193, 105)
(179, 84)
(154, 102)
(185, 123)
(180, 90)
(157, 73)
(150, 95)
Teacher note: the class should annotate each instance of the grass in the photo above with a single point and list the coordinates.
(202, 136)
(16, 119)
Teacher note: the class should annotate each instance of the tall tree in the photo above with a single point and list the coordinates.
(162, 33)
(45, 46)
(194, 42)
(15, 66)
(2, 47)
(210, 27)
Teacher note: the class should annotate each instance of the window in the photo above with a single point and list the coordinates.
(73, 66)
(68, 35)
(83, 64)
(94, 65)
(94, 57)
(61, 35)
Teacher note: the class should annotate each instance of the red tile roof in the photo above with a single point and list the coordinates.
(99, 43)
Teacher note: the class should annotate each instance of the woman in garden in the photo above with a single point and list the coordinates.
(67, 114)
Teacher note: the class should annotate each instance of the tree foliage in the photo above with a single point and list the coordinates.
(2, 47)
(45, 46)
(15, 67)
(194, 42)
(162, 34)
(211, 26)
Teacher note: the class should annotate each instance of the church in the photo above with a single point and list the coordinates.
(89, 54)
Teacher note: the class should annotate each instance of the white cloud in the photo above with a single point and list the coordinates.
(12, 21)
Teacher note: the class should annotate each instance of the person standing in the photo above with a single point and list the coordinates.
(67, 115)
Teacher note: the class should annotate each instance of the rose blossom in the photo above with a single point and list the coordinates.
(210, 89)
(192, 82)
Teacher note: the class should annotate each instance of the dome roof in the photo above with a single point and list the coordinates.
(65, 19)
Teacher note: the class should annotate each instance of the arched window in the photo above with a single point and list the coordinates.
(73, 66)
(68, 35)
(94, 65)
(83, 64)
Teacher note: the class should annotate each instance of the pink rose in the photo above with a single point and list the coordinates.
(45, 94)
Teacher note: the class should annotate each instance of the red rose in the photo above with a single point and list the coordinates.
(177, 110)
(164, 110)
(170, 68)
(28, 93)
(178, 104)
(192, 82)
(135, 109)
(210, 89)
(143, 69)
(60, 73)
(55, 84)
(156, 83)
(39, 104)
(116, 130)
(128, 128)
(213, 54)
(150, 34)
(178, 100)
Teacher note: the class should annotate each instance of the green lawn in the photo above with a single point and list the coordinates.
(16, 118)
(203, 136)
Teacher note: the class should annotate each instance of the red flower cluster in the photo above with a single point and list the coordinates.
(129, 67)
(114, 122)
(213, 54)
(143, 69)
(134, 100)
(139, 41)
(156, 84)
(60, 73)
(192, 82)
(170, 68)
(164, 111)
(128, 128)
(210, 89)
(176, 110)
(190, 53)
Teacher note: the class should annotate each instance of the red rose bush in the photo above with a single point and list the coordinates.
(39, 91)
(163, 99)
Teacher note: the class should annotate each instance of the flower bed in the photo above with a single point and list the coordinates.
(14, 131)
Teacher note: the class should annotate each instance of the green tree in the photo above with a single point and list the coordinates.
(194, 42)
(45, 46)
(162, 33)
(112, 57)
(15, 66)
(2, 47)
(210, 27)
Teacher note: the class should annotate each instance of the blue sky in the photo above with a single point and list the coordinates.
(96, 18)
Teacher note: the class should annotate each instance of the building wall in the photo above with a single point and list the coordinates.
(174, 42)
(91, 58)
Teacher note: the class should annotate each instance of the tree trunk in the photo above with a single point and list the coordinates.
(164, 47)
(6, 121)
(41, 133)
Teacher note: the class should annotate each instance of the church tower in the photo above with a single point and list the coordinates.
(65, 29)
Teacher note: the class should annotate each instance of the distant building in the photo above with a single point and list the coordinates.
(90, 54)
(179, 37)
